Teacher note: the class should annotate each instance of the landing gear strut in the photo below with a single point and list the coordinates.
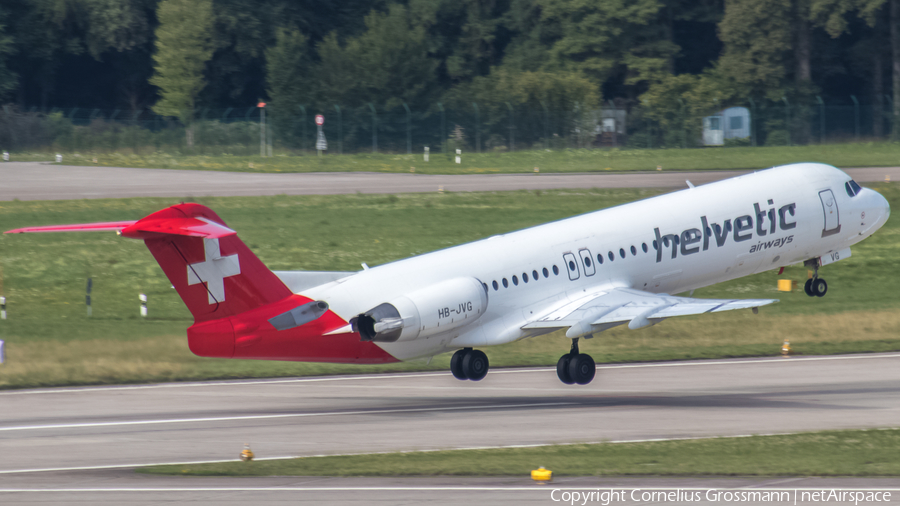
(469, 364)
(575, 367)
(815, 286)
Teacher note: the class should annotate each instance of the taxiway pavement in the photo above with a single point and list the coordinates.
(43, 181)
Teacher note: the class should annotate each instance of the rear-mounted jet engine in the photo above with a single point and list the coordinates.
(438, 308)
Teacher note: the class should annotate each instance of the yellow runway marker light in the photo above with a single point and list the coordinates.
(541, 474)
(247, 453)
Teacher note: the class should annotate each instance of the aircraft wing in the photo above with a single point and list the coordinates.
(602, 310)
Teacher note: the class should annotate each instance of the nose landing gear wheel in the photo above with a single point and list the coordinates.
(582, 369)
(819, 287)
(815, 287)
(475, 365)
(456, 364)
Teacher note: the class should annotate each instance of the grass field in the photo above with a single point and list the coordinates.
(832, 453)
(573, 160)
(51, 341)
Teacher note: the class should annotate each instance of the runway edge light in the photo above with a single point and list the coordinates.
(541, 475)
(786, 348)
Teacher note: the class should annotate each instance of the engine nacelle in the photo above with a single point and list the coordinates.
(438, 308)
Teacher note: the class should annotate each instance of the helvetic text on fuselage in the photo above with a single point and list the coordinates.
(767, 221)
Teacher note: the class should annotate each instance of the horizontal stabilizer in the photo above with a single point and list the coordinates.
(143, 229)
(83, 227)
(190, 227)
(208, 265)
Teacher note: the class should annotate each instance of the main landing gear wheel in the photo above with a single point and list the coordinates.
(456, 364)
(582, 369)
(469, 364)
(575, 367)
(562, 369)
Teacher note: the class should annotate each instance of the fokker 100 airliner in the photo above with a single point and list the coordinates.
(585, 274)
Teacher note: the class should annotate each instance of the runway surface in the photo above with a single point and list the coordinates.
(47, 435)
(125, 487)
(42, 181)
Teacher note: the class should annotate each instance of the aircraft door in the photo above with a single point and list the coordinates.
(830, 208)
(571, 266)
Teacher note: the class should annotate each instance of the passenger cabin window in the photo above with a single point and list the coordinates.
(600, 258)
(633, 251)
(644, 247)
(611, 256)
(586, 262)
(555, 270)
(525, 277)
(495, 285)
(621, 252)
(572, 264)
(505, 283)
(546, 274)
(534, 275)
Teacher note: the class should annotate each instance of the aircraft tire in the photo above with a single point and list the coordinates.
(820, 287)
(456, 364)
(582, 369)
(475, 365)
(808, 288)
(562, 369)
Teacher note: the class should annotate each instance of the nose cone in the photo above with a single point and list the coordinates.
(879, 208)
(885, 207)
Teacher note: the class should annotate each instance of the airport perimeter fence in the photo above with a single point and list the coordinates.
(443, 129)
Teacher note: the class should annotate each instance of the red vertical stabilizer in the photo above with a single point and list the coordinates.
(214, 272)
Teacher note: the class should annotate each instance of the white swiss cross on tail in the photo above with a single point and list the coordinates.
(213, 270)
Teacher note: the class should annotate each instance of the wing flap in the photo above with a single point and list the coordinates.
(621, 305)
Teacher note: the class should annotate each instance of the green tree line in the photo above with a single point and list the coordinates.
(680, 57)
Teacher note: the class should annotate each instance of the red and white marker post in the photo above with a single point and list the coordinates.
(321, 143)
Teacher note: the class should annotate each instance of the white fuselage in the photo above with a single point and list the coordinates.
(666, 244)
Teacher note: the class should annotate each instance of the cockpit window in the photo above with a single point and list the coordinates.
(852, 188)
